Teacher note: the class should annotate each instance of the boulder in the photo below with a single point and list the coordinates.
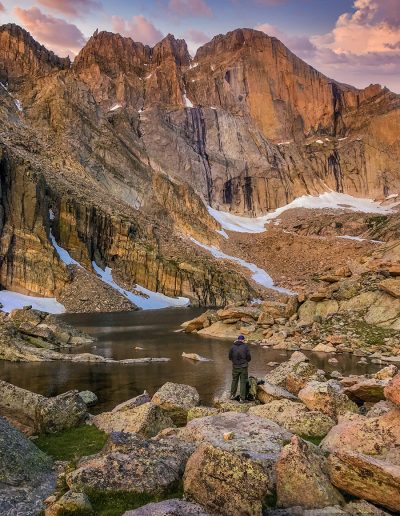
(133, 402)
(380, 408)
(367, 389)
(363, 508)
(225, 483)
(196, 324)
(292, 374)
(385, 311)
(302, 477)
(265, 319)
(70, 503)
(195, 356)
(268, 392)
(174, 507)
(392, 390)
(366, 477)
(255, 438)
(295, 417)
(26, 476)
(89, 398)
(387, 373)
(220, 330)
(130, 463)
(326, 397)
(324, 348)
(146, 420)
(391, 286)
(61, 412)
(200, 411)
(176, 399)
(367, 435)
(238, 312)
(225, 404)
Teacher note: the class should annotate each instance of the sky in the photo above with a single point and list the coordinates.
(352, 41)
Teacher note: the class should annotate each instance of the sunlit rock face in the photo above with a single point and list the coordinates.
(127, 145)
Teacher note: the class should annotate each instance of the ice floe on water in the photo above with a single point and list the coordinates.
(333, 200)
(258, 275)
(154, 301)
(11, 300)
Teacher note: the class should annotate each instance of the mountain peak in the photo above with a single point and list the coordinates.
(21, 55)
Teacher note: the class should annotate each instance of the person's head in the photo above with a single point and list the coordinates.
(240, 338)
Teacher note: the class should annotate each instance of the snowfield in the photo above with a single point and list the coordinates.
(11, 300)
(260, 276)
(332, 200)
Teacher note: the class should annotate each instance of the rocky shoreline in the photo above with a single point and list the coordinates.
(308, 444)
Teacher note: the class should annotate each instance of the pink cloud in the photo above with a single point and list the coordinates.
(71, 7)
(197, 36)
(60, 36)
(138, 28)
(2, 8)
(190, 8)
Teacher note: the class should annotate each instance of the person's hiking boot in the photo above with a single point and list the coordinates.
(232, 397)
(243, 401)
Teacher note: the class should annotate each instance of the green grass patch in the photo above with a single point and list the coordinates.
(312, 439)
(72, 444)
(115, 503)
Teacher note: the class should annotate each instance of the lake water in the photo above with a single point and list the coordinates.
(119, 333)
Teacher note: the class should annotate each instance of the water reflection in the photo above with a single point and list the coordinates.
(120, 333)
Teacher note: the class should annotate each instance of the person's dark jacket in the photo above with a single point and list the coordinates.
(239, 354)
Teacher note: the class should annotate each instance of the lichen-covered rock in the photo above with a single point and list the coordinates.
(174, 507)
(225, 483)
(392, 390)
(366, 389)
(366, 477)
(146, 420)
(293, 374)
(131, 463)
(327, 397)
(295, 417)
(70, 503)
(26, 476)
(387, 373)
(253, 437)
(363, 508)
(61, 412)
(176, 399)
(89, 398)
(224, 404)
(367, 435)
(133, 402)
(200, 411)
(302, 477)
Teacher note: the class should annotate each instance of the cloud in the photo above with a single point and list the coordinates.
(57, 34)
(2, 8)
(71, 7)
(190, 8)
(197, 36)
(362, 47)
(138, 28)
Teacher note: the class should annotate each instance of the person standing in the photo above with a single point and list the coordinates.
(240, 357)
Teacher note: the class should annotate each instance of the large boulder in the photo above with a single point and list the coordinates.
(293, 374)
(201, 411)
(225, 483)
(41, 414)
(392, 390)
(239, 312)
(327, 397)
(174, 507)
(146, 420)
(252, 437)
(366, 477)
(366, 389)
(268, 392)
(130, 463)
(70, 503)
(26, 476)
(302, 477)
(176, 399)
(295, 417)
(141, 399)
(367, 435)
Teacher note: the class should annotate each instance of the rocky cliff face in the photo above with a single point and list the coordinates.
(129, 143)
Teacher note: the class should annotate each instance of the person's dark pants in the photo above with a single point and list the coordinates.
(239, 373)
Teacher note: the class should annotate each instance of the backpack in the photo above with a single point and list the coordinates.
(252, 388)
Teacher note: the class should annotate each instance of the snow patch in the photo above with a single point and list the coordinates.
(258, 275)
(359, 239)
(149, 76)
(63, 254)
(51, 214)
(320, 142)
(115, 107)
(154, 301)
(18, 105)
(11, 300)
(188, 103)
(341, 139)
(193, 65)
(284, 143)
(332, 200)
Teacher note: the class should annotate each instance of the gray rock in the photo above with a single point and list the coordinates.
(89, 398)
(133, 402)
(173, 507)
(176, 399)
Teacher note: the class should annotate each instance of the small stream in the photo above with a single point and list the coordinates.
(155, 331)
